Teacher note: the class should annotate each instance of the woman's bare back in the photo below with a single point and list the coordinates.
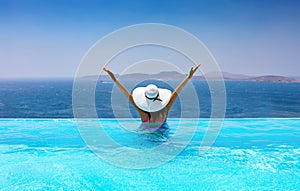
(154, 117)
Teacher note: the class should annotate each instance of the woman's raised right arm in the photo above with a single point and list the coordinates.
(181, 85)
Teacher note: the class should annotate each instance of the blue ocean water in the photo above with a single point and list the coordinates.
(53, 99)
(258, 147)
(249, 154)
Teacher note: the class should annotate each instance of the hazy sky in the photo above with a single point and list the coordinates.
(44, 38)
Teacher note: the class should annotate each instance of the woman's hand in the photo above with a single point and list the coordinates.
(193, 70)
(122, 88)
(110, 74)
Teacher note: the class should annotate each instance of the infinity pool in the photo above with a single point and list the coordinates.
(248, 154)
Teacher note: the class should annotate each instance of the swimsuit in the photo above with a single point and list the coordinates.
(158, 124)
(154, 120)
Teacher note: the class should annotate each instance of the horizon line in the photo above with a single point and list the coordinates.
(73, 77)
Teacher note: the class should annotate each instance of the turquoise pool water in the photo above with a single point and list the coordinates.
(249, 154)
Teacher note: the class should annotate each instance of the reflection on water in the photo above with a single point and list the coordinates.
(155, 132)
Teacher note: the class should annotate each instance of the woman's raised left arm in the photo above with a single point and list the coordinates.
(122, 88)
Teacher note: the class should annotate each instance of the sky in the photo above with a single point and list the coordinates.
(42, 39)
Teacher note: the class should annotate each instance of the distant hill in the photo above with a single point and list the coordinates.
(271, 78)
(172, 75)
(159, 76)
(228, 75)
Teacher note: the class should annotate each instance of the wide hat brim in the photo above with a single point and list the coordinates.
(148, 105)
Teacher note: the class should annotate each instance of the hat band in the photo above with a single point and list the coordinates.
(153, 98)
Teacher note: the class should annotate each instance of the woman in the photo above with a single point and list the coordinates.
(151, 102)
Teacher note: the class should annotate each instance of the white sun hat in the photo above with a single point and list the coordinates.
(151, 98)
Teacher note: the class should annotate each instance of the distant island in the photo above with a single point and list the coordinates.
(173, 75)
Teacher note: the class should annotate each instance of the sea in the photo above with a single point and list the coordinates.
(52, 98)
(42, 147)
